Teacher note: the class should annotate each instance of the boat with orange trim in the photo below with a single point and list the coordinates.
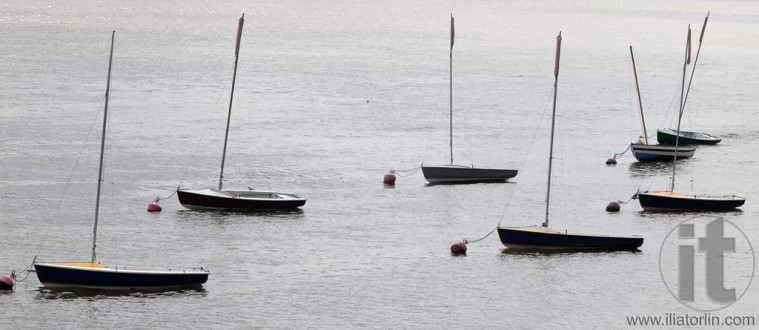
(542, 237)
(93, 275)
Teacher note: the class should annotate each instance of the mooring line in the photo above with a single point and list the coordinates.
(158, 198)
(398, 172)
(477, 240)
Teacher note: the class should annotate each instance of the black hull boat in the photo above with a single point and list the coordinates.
(672, 201)
(237, 200)
(87, 275)
(92, 275)
(544, 238)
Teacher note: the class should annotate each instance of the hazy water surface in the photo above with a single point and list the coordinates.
(331, 95)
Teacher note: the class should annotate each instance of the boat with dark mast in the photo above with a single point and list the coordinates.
(544, 238)
(236, 199)
(452, 173)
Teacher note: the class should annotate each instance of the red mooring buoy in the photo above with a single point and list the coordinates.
(611, 161)
(458, 248)
(612, 207)
(6, 282)
(389, 179)
(154, 207)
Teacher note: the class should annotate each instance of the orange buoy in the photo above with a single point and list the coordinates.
(612, 207)
(389, 178)
(458, 248)
(611, 161)
(154, 207)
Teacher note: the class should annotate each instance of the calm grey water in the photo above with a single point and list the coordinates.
(330, 96)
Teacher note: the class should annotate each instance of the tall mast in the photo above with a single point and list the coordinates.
(640, 103)
(231, 97)
(102, 151)
(553, 121)
(450, 94)
(695, 60)
(682, 108)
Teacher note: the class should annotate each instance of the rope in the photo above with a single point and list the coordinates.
(622, 153)
(158, 198)
(27, 270)
(412, 171)
(634, 196)
(477, 240)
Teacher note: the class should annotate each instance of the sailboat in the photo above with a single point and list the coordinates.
(671, 136)
(451, 173)
(670, 200)
(542, 237)
(93, 275)
(645, 152)
(236, 199)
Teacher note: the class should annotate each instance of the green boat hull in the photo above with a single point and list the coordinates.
(668, 136)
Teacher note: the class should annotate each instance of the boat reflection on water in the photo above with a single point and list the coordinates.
(545, 252)
(638, 169)
(221, 215)
(91, 294)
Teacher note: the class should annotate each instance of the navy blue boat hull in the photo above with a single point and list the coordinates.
(96, 278)
(516, 238)
(659, 202)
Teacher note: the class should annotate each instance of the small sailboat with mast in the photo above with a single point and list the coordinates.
(544, 238)
(93, 275)
(670, 200)
(236, 199)
(641, 149)
(672, 136)
(452, 173)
